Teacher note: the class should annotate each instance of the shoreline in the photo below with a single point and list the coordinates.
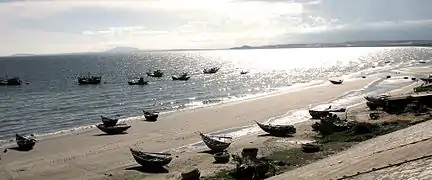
(90, 155)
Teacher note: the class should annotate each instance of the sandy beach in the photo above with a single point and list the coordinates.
(92, 155)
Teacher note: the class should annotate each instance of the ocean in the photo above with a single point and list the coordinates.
(53, 102)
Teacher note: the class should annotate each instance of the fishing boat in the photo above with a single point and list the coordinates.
(183, 77)
(373, 102)
(151, 116)
(15, 81)
(138, 81)
(277, 130)
(117, 129)
(157, 73)
(151, 159)
(109, 121)
(310, 147)
(336, 81)
(89, 79)
(211, 70)
(24, 143)
(427, 80)
(216, 143)
(322, 111)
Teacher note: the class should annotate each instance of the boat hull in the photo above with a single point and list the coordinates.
(117, 129)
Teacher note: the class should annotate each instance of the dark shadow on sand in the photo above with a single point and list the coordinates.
(157, 170)
(276, 135)
(20, 149)
(104, 134)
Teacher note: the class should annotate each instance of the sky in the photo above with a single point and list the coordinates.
(62, 26)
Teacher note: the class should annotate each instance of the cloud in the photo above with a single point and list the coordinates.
(69, 26)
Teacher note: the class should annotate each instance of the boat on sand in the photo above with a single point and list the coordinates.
(216, 143)
(151, 115)
(277, 130)
(24, 143)
(117, 129)
(152, 160)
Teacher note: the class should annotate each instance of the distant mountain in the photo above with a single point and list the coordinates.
(23, 54)
(122, 49)
(345, 44)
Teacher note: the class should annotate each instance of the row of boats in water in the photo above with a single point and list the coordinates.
(96, 79)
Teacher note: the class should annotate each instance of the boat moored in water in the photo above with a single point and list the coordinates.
(183, 77)
(15, 81)
(138, 81)
(89, 79)
(211, 70)
(157, 73)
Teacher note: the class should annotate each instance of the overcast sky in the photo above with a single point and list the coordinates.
(58, 26)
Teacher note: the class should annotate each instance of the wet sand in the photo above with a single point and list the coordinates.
(93, 155)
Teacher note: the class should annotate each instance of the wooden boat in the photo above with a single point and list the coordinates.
(109, 121)
(427, 80)
(336, 81)
(151, 116)
(89, 79)
(310, 147)
(319, 111)
(211, 70)
(216, 143)
(373, 102)
(221, 157)
(11, 81)
(117, 129)
(277, 130)
(183, 77)
(138, 81)
(151, 159)
(24, 143)
(157, 73)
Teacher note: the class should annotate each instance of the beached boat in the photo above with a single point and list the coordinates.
(183, 77)
(157, 73)
(336, 81)
(109, 121)
(151, 116)
(24, 143)
(211, 70)
(320, 111)
(277, 130)
(373, 102)
(310, 147)
(117, 129)
(138, 81)
(216, 143)
(221, 157)
(89, 79)
(11, 81)
(427, 80)
(151, 159)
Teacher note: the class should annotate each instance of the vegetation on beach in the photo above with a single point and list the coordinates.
(330, 144)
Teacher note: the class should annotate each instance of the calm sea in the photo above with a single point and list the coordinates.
(53, 101)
